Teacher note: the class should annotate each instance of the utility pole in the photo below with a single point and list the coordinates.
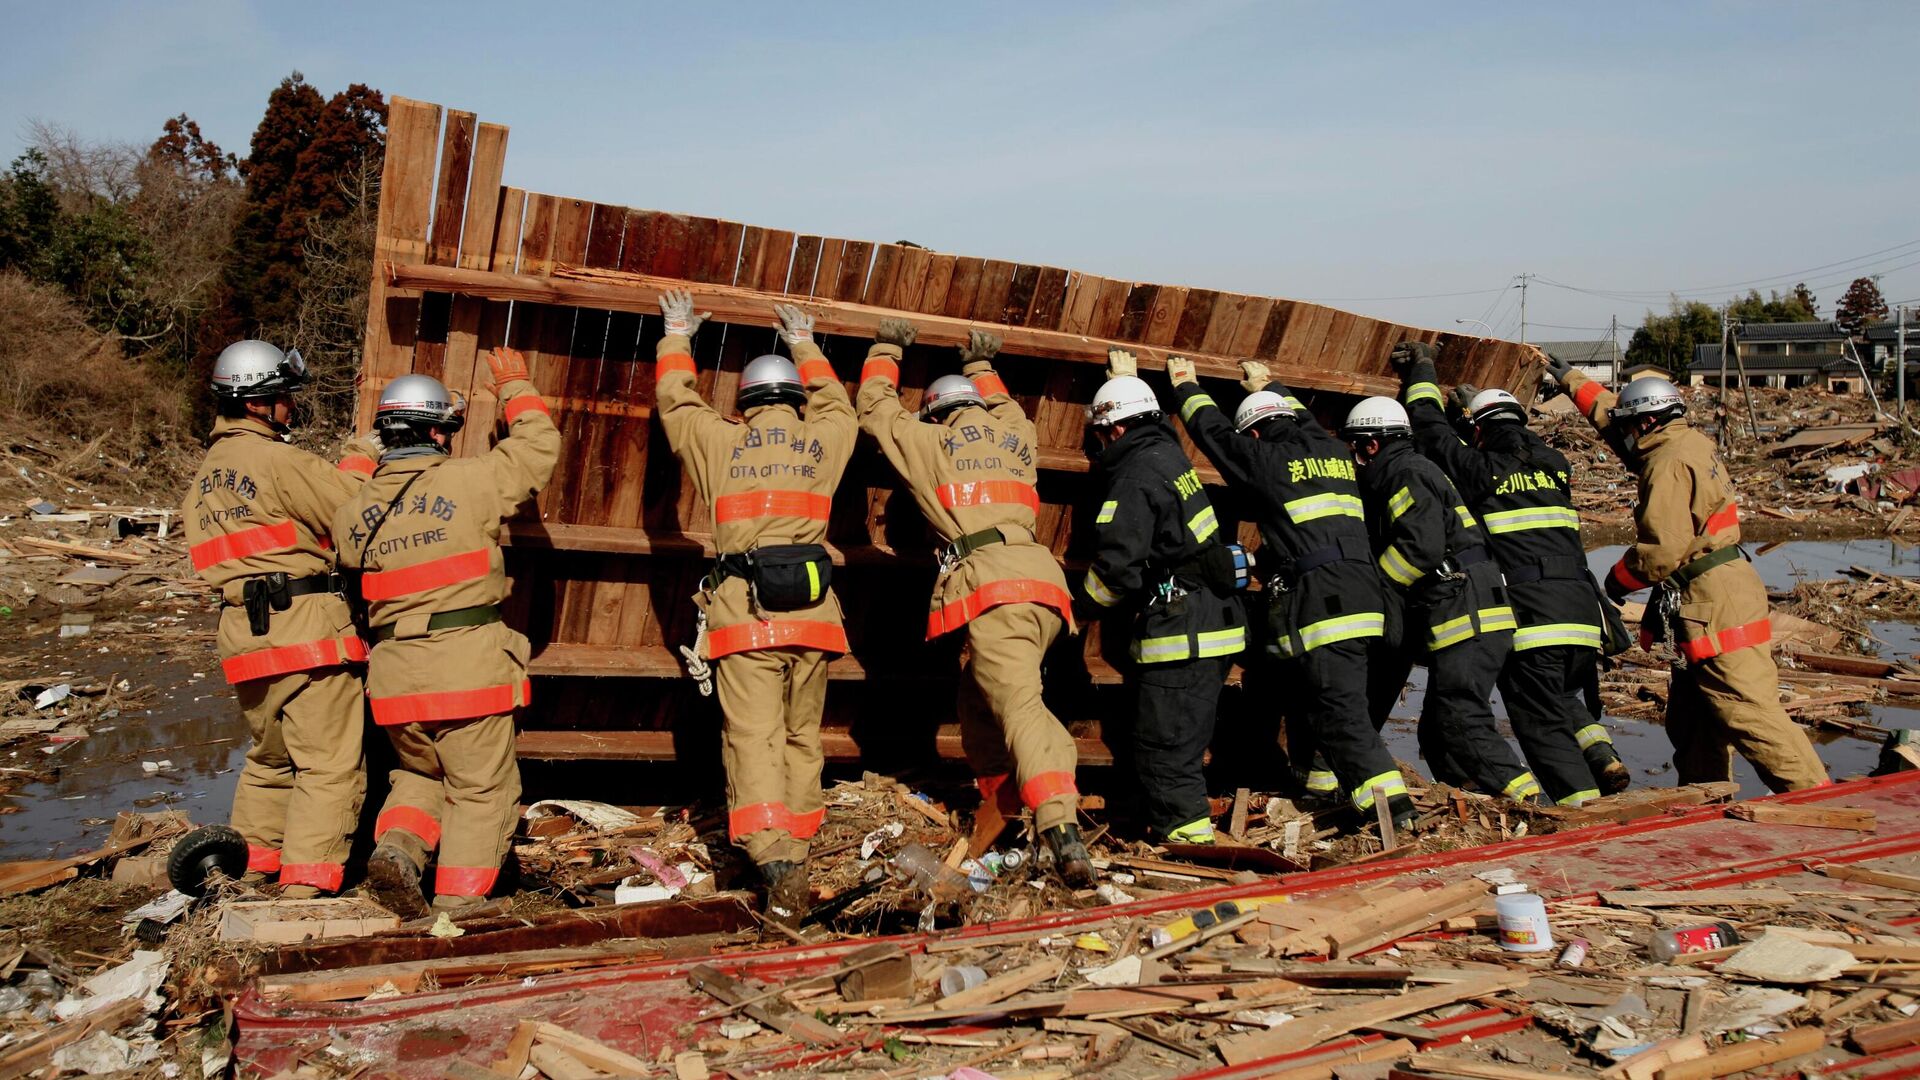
(1524, 278)
(1900, 364)
(1613, 335)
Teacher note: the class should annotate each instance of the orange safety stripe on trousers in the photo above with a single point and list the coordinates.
(1626, 577)
(325, 876)
(745, 505)
(432, 574)
(757, 817)
(807, 824)
(673, 362)
(988, 493)
(989, 384)
(525, 403)
(357, 463)
(464, 880)
(307, 655)
(1724, 518)
(952, 616)
(1758, 632)
(1583, 397)
(252, 540)
(411, 818)
(263, 860)
(451, 704)
(776, 634)
(815, 369)
(1047, 785)
(880, 367)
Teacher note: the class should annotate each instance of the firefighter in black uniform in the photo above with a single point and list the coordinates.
(1163, 559)
(1435, 556)
(1325, 604)
(1518, 487)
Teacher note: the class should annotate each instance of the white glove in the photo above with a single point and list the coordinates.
(676, 305)
(796, 326)
(1121, 362)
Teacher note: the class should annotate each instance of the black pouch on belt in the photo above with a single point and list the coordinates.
(1213, 567)
(263, 596)
(789, 576)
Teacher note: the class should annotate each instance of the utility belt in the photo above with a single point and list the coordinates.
(1289, 575)
(1222, 569)
(478, 615)
(963, 546)
(780, 577)
(267, 593)
(1455, 565)
(1551, 568)
(1657, 622)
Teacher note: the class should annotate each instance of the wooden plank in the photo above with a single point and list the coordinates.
(1752, 1054)
(990, 299)
(963, 285)
(1310, 1031)
(346, 984)
(1662, 898)
(1196, 313)
(1020, 292)
(491, 228)
(806, 263)
(1005, 985)
(1410, 913)
(1882, 878)
(400, 234)
(1083, 295)
(1134, 311)
(593, 1054)
(1879, 1038)
(775, 1014)
(837, 743)
(1049, 299)
(1163, 318)
(939, 280)
(1224, 328)
(880, 279)
(851, 282)
(1814, 817)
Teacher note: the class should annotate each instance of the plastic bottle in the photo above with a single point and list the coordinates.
(1523, 922)
(927, 873)
(1667, 944)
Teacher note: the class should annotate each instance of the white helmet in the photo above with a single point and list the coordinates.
(770, 380)
(412, 402)
(949, 392)
(1260, 405)
(1495, 404)
(1649, 395)
(1378, 418)
(256, 369)
(1122, 398)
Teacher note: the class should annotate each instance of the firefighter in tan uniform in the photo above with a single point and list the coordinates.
(446, 673)
(971, 469)
(771, 620)
(257, 519)
(1725, 692)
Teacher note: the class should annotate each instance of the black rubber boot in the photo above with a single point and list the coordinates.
(393, 880)
(1070, 859)
(1400, 807)
(789, 895)
(1609, 772)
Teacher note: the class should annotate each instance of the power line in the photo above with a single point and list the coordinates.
(1423, 296)
(1866, 263)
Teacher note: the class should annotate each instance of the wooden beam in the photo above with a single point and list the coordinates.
(640, 293)
(836, 742)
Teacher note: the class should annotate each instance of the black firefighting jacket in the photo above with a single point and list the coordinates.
(1321, 583)
(1431, 549)
(1161, 555)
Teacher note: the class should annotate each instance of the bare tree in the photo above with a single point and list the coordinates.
(332, 314)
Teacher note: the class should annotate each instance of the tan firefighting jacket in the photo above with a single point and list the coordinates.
(258, 505)
(1686, 510)
(768, 481)
(973, 471)
(425, 531)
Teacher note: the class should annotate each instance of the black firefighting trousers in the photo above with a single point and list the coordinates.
(1176, 705)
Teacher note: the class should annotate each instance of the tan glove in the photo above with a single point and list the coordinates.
(976, 356)
(1254, 376)
(1180, 370)
(676, 307)
(896, 332)
(1121, 362)
(507, 365)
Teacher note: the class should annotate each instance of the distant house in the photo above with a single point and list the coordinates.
(1597, 360)
(1785, 356)
(1882, 338)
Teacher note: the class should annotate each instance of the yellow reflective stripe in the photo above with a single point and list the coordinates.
(1322, 782)
(1533, 517)
(1152, 650)
(1466, 519)
(1222, 642)
(1424, 391)
(1192, 405)
(1396, 566)
(1497, 618)
(1579, 797)
(1107, 510)
(1098, 590)
(1391, 783)
(1332, 504)
(1520, 787)
(1293, 403)
(1452, 632)
(1339, 628)
(1401, 502)
(1592, 735)
(1585, 635)
(1197, 831)
(813, 580)
(1204, 524)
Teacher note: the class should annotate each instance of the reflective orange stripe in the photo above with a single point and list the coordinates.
(758, 817)
(1583, 397)
(953, 616)
(326, 876)
(1625, 577)
(357, 463)
(525, 403)
(307, 655)
(464, 880)
(1048, 785)
(1758, 632)
(815, 369)
(743, 505)
(880, 367)
(777, 634)
(264, 860)
(989, 384)
(988, 493)
(1724, 518)
(805, 825)
(252, 540)
(451, 704)
(432, 574)
(671, 363)
(411, 818)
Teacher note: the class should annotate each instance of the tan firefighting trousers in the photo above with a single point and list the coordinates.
(770, 743)
(305, 778)
(457, 786)
(1004, 726)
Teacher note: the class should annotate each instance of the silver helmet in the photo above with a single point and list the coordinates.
(770, 380)
(1258, 406)
(256, 369)
(1648, 395)
(419, 401)
(1377, 418)
(949, 392)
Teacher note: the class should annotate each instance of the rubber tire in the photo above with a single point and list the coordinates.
(200, 852)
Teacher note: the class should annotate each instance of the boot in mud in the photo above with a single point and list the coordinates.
(393, 876)
(788, 894)
(1400, 808)
(1609, 772)
(1070, 859)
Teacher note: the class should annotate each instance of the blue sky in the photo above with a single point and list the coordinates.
(1373, 154)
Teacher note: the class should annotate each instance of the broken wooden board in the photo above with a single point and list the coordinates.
(1813, 817)
(1310, 1031)
(772, 1012)
(1650, 898)
(346, 984)
(279, 922)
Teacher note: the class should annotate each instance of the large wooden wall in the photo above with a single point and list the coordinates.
(605, 562)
